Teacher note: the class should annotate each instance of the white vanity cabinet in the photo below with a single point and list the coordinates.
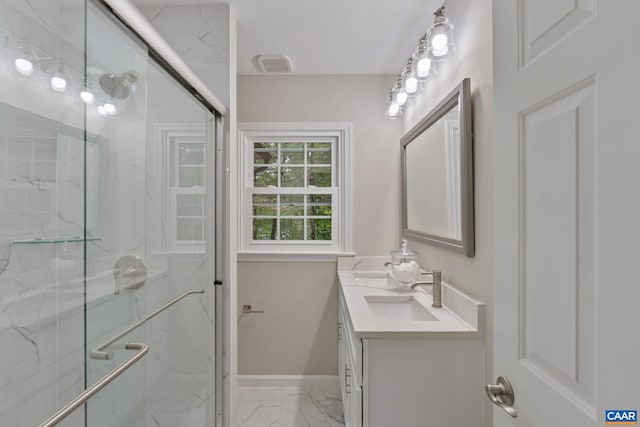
(350, 370)
(404, 379)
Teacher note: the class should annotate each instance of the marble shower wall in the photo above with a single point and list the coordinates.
(200, 35)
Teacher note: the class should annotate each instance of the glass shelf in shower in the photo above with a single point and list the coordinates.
(43, 240)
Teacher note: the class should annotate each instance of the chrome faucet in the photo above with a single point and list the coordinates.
(436, 281)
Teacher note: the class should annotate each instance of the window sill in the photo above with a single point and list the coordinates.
(291, 256)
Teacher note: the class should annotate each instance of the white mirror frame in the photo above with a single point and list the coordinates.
(460, 96)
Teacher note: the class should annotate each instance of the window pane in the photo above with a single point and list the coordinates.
(265, 153)
(265, 176)
(265, 205)
(190, 229)
(191, 176)
(319, 153)
(292, 177)
(318, 229)
(292, 205)
(191, 153)
(319, 205)
(264, 229)
(319, 177)
(291, 229)
(190, 204)
(292, 153)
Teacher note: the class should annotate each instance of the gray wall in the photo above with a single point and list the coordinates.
(472, 20)
(297, 333)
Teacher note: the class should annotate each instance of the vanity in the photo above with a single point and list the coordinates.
(403, 362)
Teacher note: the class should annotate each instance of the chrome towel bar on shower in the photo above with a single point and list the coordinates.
(99, 353)
(141, 348)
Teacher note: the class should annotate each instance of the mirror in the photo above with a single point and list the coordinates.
(437, 175)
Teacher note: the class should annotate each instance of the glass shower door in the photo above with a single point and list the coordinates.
(106, 217)
(149, 205)
(42, 143)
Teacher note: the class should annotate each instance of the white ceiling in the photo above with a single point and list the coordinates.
(327, 36)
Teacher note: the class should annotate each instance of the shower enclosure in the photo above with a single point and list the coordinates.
(107, 224)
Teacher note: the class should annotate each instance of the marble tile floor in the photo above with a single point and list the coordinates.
(299, 406)
(178, 401)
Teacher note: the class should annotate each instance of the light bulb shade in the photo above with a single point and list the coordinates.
(58, 83)
(393, 111)
(398, 94)
(440, 43)
(24, 62)
(424, 66)
(425, 69)
(400, 97)
(24, 67)
(109, 108)
(87, 97)
(409, 79)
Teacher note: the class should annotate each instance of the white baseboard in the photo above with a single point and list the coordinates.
(287, 380)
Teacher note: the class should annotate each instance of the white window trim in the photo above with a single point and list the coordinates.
(286, 251)
(167, 133)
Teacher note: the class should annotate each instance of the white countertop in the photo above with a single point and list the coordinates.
(461, 316)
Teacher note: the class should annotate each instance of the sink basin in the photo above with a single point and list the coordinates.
(399, 307)
(370, 274)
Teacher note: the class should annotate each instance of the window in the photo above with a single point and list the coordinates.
(295, 184)
(184, 153)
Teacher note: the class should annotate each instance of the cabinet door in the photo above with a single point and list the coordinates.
(355, 398)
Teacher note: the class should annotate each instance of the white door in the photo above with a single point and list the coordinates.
(567, 209)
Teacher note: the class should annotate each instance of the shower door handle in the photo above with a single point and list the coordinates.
(141, 350)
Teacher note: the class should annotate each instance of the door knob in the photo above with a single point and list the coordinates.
(501, 394)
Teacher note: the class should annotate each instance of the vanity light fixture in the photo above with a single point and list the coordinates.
(398, 94)
(425, 67)
(107, 110)
(435, 46)
(59, 80)
(58, 83)
(440, 44)
(409, 78)
(87, 97)
(24, 61)
(89, 90)
(393, 108)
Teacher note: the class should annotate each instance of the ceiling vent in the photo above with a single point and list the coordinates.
(274, 64)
